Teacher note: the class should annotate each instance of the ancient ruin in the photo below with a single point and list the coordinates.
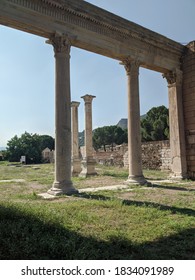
(66, 23)
(88, 162)
(76, 161)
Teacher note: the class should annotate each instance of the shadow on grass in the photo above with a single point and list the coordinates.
(26, 237)
(174, 210)
(121, 175)
(93, 196)
(154, 178)
(173, 188)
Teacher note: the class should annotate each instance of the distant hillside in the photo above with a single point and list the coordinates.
(123, 122)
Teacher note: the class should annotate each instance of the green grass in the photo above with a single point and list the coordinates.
(142, 223)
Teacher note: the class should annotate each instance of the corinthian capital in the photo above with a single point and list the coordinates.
(61, 44)
(88, 98)
(173, 77)
(131, 66)
(75, 104)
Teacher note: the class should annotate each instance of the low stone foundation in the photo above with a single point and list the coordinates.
(112, 155)
(155, 155)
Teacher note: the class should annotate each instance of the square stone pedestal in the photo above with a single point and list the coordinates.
(76, 167)
(88, 167)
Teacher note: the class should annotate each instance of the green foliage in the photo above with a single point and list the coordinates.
(109, 135)
(29, 145)
(46, 141)
(4, 155)
(155, 126)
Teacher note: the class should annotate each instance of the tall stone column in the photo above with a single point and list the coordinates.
(76, 162)
(62, 183)
(176, 125)
(134, 133)
(88, 162)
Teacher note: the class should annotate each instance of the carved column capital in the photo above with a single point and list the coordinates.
(88, 98)
(61, 44)
(75, 104)
(173, 77)
(131, 66)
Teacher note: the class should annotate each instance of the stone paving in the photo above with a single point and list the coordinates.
(12, 181)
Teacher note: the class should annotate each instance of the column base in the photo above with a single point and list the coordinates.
(88, 168)
(62, 188)
(76, 167)
(136, 180)
(177, 176)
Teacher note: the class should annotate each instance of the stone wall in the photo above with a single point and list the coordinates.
(165, 156)
(189, 106)
(155, 155)
(109, 156)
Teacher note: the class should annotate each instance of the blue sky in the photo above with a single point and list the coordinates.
(27, 71)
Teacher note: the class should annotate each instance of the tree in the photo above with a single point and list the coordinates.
(46, 141)
(109, 135)
(155, 126)
(99, 138)
(29, 145)
(14, 149)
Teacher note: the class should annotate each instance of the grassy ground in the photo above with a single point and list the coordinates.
(137, 223)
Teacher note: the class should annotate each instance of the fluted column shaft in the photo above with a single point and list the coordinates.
(62, 183)
(134, 133)
(76, 162)
(88, 163)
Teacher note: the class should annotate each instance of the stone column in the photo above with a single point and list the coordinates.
(62, 183)
(88, 162)
(76, 162)
(176, 125)
(188, 94)
(134, 133)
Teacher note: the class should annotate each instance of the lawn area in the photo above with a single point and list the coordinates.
(156, 222)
